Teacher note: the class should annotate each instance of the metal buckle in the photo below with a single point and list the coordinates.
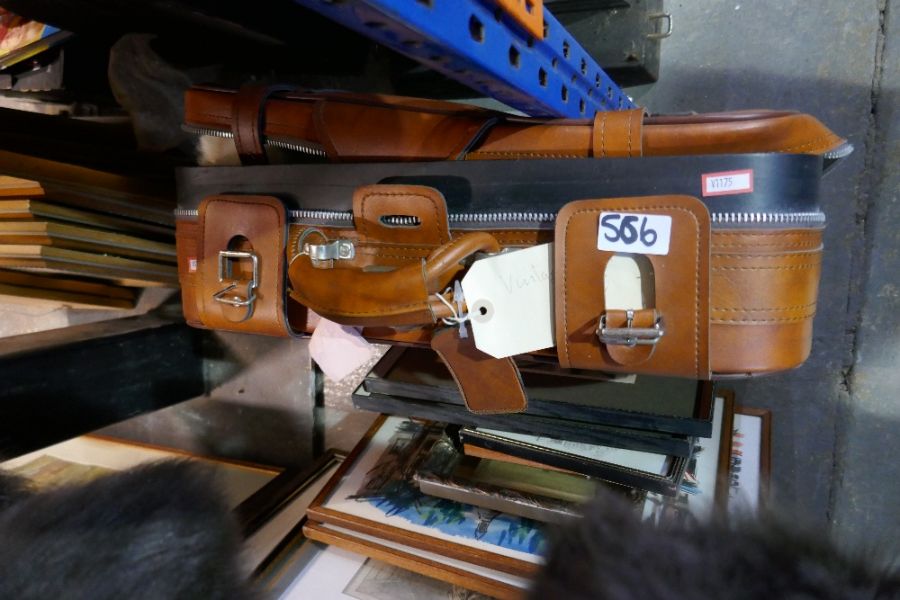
(334, 250)
(226, 258)
(322, 256)
(628, 335)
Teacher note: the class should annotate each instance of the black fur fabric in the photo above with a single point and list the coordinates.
(157, 531)
(611, 555)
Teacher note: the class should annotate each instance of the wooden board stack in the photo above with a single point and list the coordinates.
(74, 256)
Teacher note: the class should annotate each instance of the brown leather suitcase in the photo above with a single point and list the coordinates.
(735, 296)
(357, 128)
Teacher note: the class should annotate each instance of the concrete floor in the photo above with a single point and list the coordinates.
(835, 419)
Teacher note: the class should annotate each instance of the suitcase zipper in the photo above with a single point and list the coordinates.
(530, 220)
(301, 146)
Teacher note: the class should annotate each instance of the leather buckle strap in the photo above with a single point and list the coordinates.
(670, 335)
(629, 335)
(488, 385)
(241, 264)
(248, 121)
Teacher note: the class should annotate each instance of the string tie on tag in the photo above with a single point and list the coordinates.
(459, 318)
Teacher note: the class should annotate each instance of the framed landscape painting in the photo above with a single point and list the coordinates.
(373, 493)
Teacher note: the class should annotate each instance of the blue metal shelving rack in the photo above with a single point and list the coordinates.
(480, 44)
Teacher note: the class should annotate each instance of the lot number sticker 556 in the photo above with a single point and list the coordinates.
(636, 233)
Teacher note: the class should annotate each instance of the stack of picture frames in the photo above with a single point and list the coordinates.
(435, 498)
(426, 509)
(54, 250)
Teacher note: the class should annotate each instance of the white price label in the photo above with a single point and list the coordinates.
(727, 183)
(510, 300)
(635, 233)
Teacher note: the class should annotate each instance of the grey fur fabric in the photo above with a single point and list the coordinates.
(611, 555)
(157, 531)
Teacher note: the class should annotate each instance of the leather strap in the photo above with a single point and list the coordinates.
(681, 282)
(488, 385)
(241, 260)
(356, 128)
(248, 121)
(618, 133)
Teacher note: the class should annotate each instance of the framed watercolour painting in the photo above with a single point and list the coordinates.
(373, 494)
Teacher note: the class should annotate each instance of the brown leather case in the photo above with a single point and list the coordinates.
(754, 289)
(761, 287)
(357, 127)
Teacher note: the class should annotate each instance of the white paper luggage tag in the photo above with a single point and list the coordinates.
(510, 301)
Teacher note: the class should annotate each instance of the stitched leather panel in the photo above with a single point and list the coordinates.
(618, 133)
(373, 202)
(488, 385)
(260, 220)
(681, 280)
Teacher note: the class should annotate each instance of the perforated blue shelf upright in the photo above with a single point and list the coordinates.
(489, 47)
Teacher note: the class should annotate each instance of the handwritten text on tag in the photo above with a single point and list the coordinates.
(510, 301)
(636, 233)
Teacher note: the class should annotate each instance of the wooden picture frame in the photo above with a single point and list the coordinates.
(459, 573)
(32, 288)
(307, 567)
(338, 505)
(722, 469)
(710, 466)
(85, 239)
(750, 465)
(268, 502)
(239, 479)
(277, 511)
(662, 478)
(123, 271)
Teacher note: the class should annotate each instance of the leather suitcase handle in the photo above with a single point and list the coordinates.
(402, 297)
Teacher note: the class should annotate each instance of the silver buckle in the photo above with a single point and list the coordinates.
(334, 250)
(226, 258)
(322, 256)
(628, 335)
